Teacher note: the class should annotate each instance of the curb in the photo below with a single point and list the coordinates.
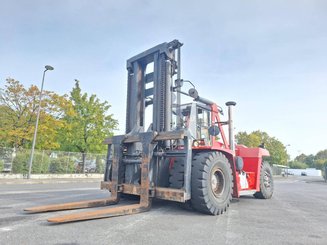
(48, 181)
(7, 179)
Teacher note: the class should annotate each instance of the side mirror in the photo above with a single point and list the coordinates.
(214, 130)
(179, 83)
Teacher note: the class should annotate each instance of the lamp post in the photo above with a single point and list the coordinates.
(47, 68)
(287, 167)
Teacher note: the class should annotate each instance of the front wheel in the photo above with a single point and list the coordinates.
(212, 183)
(266, 182)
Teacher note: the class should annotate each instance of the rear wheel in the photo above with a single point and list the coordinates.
(266, 182)
(212, 183)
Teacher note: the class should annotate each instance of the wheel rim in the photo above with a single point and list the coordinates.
(217, 182)
(267, 180)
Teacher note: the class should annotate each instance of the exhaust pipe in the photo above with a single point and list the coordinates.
(194, 94)
(230, 125)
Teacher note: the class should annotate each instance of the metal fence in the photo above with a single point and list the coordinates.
(50, 162)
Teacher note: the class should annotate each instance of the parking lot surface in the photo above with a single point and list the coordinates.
(297, 214)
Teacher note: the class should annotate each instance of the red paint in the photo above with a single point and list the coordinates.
(252, 157)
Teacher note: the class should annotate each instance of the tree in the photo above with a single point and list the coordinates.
(320, 164)
(18, 107)
(310, 160)
(301, 158)
(1, 165)
(87, 125)
(321, 155)
(320, 159)
(278, 153)
(314, 161)
(4, 142)
(298, 165)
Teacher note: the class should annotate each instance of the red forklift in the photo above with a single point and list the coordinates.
(174, 147)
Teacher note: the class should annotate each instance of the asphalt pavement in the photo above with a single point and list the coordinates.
(295, 215)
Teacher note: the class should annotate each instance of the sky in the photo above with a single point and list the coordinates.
(268, 56)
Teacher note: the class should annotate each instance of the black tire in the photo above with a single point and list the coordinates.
(212, 183)
(176, 174)
(176, 179)
(266, 182)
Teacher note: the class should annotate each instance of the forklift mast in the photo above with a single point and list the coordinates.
(150, 97)
(150, 76)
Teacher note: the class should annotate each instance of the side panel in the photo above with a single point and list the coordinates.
(252, 159)
(252, 167)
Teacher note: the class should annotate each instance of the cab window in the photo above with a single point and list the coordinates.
(203, 123)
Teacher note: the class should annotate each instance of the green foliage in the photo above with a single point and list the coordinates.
(321, 155)
(318, 161)
(88, 123)
(20, 164)
(18, 109)
(301, 158)
(310, 160)
(2, 163)
(296, 164)
(321, 160)
(79, 123)
(253, 139)
(278, 153)
(61, 165)
(100, 165)
(320, 164)
(40, 163)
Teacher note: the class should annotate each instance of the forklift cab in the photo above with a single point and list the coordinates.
(197, 118)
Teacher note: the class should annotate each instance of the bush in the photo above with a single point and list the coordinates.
(320, 164)
(100, 165)
(2, 163)
(61, 165)
(298, 165)
(39, 166)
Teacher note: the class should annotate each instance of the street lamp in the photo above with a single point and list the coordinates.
(47, 68)
(287, 167)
